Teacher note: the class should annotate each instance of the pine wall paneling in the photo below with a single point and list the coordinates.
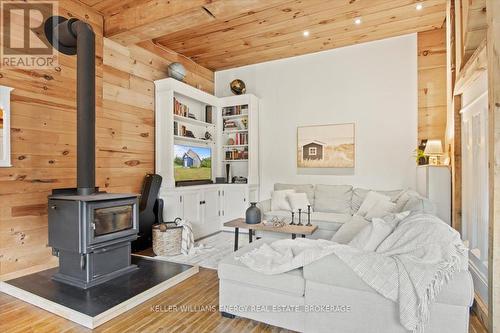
(432, 112)
(44, 135)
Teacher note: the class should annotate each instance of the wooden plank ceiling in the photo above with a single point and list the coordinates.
(221, 34)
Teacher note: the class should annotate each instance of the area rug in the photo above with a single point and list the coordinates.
(210, 250)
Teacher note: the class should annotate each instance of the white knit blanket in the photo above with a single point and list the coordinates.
(409, 267)
(187, 237)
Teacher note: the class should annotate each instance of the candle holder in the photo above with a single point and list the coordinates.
(300, 215)
(293, 217)
(308, 216)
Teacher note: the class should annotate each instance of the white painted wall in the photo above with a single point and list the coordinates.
(373, 85)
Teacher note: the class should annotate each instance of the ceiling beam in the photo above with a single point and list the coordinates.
(151, 19)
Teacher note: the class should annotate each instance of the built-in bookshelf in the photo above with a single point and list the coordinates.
(239, 136)
(227, 125)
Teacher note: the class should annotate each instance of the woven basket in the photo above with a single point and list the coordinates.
(169, 241)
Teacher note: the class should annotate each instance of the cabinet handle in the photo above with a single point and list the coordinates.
(180, 198)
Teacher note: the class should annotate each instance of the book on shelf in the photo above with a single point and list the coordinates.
(208, 114)
(236, 154)
(235, 124)
(180, 109)
(235, 110)
(241, 139)
(176, 128)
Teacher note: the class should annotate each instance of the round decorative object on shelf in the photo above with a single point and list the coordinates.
(238, 87)
(177, 71)
(253, 215)
(230, 141)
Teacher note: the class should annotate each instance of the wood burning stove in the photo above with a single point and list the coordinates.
(91, 235)
(90, 231)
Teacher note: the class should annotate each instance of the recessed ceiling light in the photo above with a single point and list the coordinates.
(357, 20)
(306, 33)
(419, 6)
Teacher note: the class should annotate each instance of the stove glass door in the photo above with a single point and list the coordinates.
(113, 219)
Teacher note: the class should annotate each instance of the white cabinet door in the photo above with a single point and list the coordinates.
(210, 211)
(192, 210)
(235, 202)
(172, 208)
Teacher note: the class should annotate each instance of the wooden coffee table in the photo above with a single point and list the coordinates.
(293, 230)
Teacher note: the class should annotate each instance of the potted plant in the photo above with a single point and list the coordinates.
(420, 158)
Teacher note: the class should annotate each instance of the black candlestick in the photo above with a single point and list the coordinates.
(300, 214)
(293, 214)
(308, 215)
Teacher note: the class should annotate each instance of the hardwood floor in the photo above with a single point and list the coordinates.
(198, 295)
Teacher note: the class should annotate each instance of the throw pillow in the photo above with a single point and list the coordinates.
(359, 195)
(420, 205)
(382, 208)
(403, 199)
(298, 201)
(279, 200)
(350, 229)
(371, 200)
(395, 218)
(372, 235)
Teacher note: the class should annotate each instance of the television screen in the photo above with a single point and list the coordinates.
(192, 163)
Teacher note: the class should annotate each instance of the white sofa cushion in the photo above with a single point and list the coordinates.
(291, 283)
(359, 194)
(331, 270)
(333, 198)
(298, 201)
(299, 188)
(350, 229)
(279, 200)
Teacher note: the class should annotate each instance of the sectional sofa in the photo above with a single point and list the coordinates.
(327, 296)
(335, 205)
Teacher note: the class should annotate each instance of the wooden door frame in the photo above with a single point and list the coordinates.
(493, 52)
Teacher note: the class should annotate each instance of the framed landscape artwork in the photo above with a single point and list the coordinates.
(326, 146)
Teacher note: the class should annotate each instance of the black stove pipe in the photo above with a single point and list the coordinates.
(77, 37)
